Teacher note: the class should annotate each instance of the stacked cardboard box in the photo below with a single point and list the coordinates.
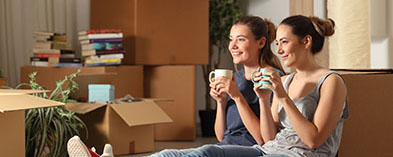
(369, 125)
(161, 43)
(164, 36)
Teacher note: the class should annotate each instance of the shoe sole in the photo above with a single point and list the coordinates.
(76, 148)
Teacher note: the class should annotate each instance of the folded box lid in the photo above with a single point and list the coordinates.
(141, 113)
(13, 100)
(83, 108)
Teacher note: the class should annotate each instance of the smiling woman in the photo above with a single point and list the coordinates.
(307, 114)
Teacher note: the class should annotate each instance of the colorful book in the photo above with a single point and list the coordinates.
(103, 46)
(70, 60)
(100, 52)
(110, 60)
(102, 64)
(109, 40)
(107, 56)
(46, 55)
(101, 36)
(97, 31)
(68, 64)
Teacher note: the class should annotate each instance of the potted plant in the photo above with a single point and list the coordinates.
(3, 80)
(48, 129)
(222, 14)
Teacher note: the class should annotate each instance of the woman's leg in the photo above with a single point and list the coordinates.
(225, 151)
(172, 152)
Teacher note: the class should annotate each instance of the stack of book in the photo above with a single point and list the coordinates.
(67, 54)
(43, 54)
(52, 49)
(102, 47)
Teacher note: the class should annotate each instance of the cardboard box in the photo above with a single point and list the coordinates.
(126, 79)
(101, 92)
(368, 131)
(128, 127)
(176, 83)
(12, 118)
(157, 32)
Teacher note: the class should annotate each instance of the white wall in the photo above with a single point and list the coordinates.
(381, 34)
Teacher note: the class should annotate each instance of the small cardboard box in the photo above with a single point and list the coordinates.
(125, 79)
(13, 104)
(177, 83)
(368, 131)
(101, 92)
(128, 127)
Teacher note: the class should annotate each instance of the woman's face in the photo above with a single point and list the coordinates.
(289, 48)
(243, 46)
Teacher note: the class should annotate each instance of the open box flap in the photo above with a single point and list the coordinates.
(141, 113)
(20, 91)
(83, 108)
(24, 101)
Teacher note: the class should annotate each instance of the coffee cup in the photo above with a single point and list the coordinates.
(262, 76)
(220, 72)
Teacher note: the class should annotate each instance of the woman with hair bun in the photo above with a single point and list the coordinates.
(309, 106)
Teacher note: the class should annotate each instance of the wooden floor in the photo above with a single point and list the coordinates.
(178, 145)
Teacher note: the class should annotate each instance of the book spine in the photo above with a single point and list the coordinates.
(101, 52)
(46, 55)
(96, 31)
(88, 41)
(101, 36)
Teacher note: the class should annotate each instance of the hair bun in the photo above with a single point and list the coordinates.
(271, 30)
(323, 27)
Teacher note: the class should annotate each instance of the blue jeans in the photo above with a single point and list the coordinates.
(216, 151)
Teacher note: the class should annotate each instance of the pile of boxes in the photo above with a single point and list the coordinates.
(163, 49)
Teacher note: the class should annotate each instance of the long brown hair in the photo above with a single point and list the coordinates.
(262, 28)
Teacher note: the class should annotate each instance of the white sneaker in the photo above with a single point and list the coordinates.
(76, 148)
(108, 152)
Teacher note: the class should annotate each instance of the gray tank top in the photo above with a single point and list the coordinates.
(288, 142)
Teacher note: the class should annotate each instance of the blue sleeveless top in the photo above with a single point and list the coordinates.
(287, 140)
(236, 133)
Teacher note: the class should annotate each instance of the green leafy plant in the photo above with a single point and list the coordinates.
(48, 129)
(222, 14)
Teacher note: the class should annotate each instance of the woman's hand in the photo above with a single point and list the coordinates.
(276, 84)
(223, 86)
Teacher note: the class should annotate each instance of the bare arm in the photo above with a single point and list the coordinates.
(220, 124)
(268, 114)
(249, 119)
(327, 114)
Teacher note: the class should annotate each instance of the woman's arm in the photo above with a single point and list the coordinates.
(249, 119)
(220, 124)
(268, 114)
(327, 114)
(220, 121)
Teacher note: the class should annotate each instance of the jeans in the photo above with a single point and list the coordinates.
(173, 152)
(216, 151)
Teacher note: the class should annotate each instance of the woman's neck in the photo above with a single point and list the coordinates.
(308, 68)
(248, 70)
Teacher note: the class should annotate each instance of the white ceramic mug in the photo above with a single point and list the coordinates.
(220, 72)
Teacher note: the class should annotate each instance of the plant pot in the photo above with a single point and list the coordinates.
(3, 81)
(208, 118)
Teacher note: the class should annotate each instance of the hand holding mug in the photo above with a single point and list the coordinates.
(220, 72)
(259, 79)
